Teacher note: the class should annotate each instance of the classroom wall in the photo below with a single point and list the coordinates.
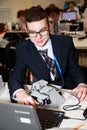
(22, 4)
(15, 5)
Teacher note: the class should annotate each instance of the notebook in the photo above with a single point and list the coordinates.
(25, 117)
(69, 16)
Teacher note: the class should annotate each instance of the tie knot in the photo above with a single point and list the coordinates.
(43, 52)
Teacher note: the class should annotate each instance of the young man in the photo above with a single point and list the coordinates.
(28, 56)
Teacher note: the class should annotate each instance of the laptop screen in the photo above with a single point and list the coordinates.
(69, 16)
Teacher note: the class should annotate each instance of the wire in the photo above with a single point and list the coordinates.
(74, 106)
(68, 107)
(71, 107)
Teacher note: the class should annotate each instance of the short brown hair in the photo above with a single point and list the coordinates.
(36, 13)
(20, 13)
(2, 27)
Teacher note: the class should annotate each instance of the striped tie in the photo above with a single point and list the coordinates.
(49, 62)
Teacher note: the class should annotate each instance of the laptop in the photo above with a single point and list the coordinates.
(14, 116)
(18, 117)
(49, 118)
(69, 16)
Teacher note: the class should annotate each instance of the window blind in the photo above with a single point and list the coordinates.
(5, 15)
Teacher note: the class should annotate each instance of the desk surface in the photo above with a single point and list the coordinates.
(69, 99)
(80, 44)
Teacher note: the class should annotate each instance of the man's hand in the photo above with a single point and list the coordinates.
(24, 98)
(81, 92)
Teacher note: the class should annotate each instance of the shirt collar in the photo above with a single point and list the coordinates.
(47, 46)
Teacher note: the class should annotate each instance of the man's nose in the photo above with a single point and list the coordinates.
(39, 35)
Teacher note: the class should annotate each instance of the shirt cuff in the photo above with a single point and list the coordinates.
(14, 94)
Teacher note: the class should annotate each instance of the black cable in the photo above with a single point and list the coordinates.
(71, 107)
(67, 107)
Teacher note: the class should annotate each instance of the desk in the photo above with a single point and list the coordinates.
(68, 123)
(81, 46)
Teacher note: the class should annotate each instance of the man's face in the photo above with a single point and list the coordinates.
(22, 19)
(71, 6)
(53, 15)
(41, 30)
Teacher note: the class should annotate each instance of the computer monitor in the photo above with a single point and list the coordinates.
(16, 35)
(69, 16)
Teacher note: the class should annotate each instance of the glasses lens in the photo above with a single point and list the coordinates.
(32, 34)
(44, 32)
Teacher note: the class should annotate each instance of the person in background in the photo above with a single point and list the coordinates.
(85, 20)
(3, 28)
(59, 50)
(22, 21)
(83, 7)
(73, 7)
(54, 17)
(85, 14)
(66, 5)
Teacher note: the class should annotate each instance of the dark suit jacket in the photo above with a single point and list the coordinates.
(28, 57)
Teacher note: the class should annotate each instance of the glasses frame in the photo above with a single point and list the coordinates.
(36, 33)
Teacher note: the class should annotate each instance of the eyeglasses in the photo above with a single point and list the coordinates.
(41, 33)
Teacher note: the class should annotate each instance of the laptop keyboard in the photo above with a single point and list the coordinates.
(49, 118)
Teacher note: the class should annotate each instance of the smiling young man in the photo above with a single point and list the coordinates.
(61, 51)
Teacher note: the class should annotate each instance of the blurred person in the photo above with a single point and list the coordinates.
(83, 7)
(73, 7)
(66, 5)
(3, 27)
(85, 20)
(54, 17)
(22, 21)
